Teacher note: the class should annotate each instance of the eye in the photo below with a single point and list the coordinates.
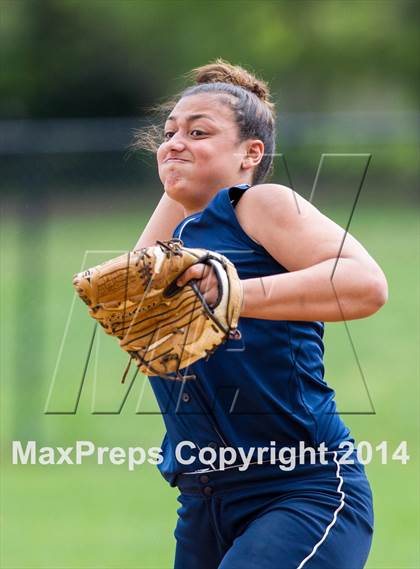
(197, 132)
(168, 134)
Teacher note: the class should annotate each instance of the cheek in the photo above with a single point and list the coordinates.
(209, 154)
(159, 154)
(160, 164)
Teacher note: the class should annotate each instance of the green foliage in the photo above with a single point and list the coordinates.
(103, 57)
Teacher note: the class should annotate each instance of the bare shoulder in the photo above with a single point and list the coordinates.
(263, 202)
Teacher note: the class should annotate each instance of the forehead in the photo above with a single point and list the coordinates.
(213, 105)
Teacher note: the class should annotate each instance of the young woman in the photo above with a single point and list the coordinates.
(266, 393)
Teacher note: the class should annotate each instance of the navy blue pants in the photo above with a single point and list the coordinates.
(313, 517)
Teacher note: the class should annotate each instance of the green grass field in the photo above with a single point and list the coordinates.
(90, 516)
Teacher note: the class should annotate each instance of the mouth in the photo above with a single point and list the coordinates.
(176, 160)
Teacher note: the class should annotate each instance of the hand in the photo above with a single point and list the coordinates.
(206, 281)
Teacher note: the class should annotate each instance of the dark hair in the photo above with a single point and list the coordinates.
(248, 98)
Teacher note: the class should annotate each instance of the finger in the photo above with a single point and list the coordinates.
(198, 271)
(208, 283)
(209, 286)
(210, 293)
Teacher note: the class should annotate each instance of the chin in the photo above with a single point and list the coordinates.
(175, 187)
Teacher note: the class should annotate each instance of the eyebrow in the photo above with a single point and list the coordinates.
(192, 117)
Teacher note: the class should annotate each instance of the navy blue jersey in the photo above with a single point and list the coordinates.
(267, 388)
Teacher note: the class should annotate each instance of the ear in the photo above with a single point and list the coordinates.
(253, 153)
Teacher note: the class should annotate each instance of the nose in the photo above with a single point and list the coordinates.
(176, 142)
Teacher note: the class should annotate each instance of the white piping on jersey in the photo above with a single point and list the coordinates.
(183, 225)
(340, 507)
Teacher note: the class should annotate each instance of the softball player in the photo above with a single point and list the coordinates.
(265, 392)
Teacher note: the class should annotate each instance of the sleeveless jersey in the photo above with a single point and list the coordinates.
(266, 389)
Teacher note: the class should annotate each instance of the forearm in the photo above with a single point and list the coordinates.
(165, 218)
(311, 294)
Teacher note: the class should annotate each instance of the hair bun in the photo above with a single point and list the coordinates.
(221, 71)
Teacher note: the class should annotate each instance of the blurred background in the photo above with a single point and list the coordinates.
(77, 80)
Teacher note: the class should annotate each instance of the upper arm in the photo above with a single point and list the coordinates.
(165, 218)
(295, 232)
